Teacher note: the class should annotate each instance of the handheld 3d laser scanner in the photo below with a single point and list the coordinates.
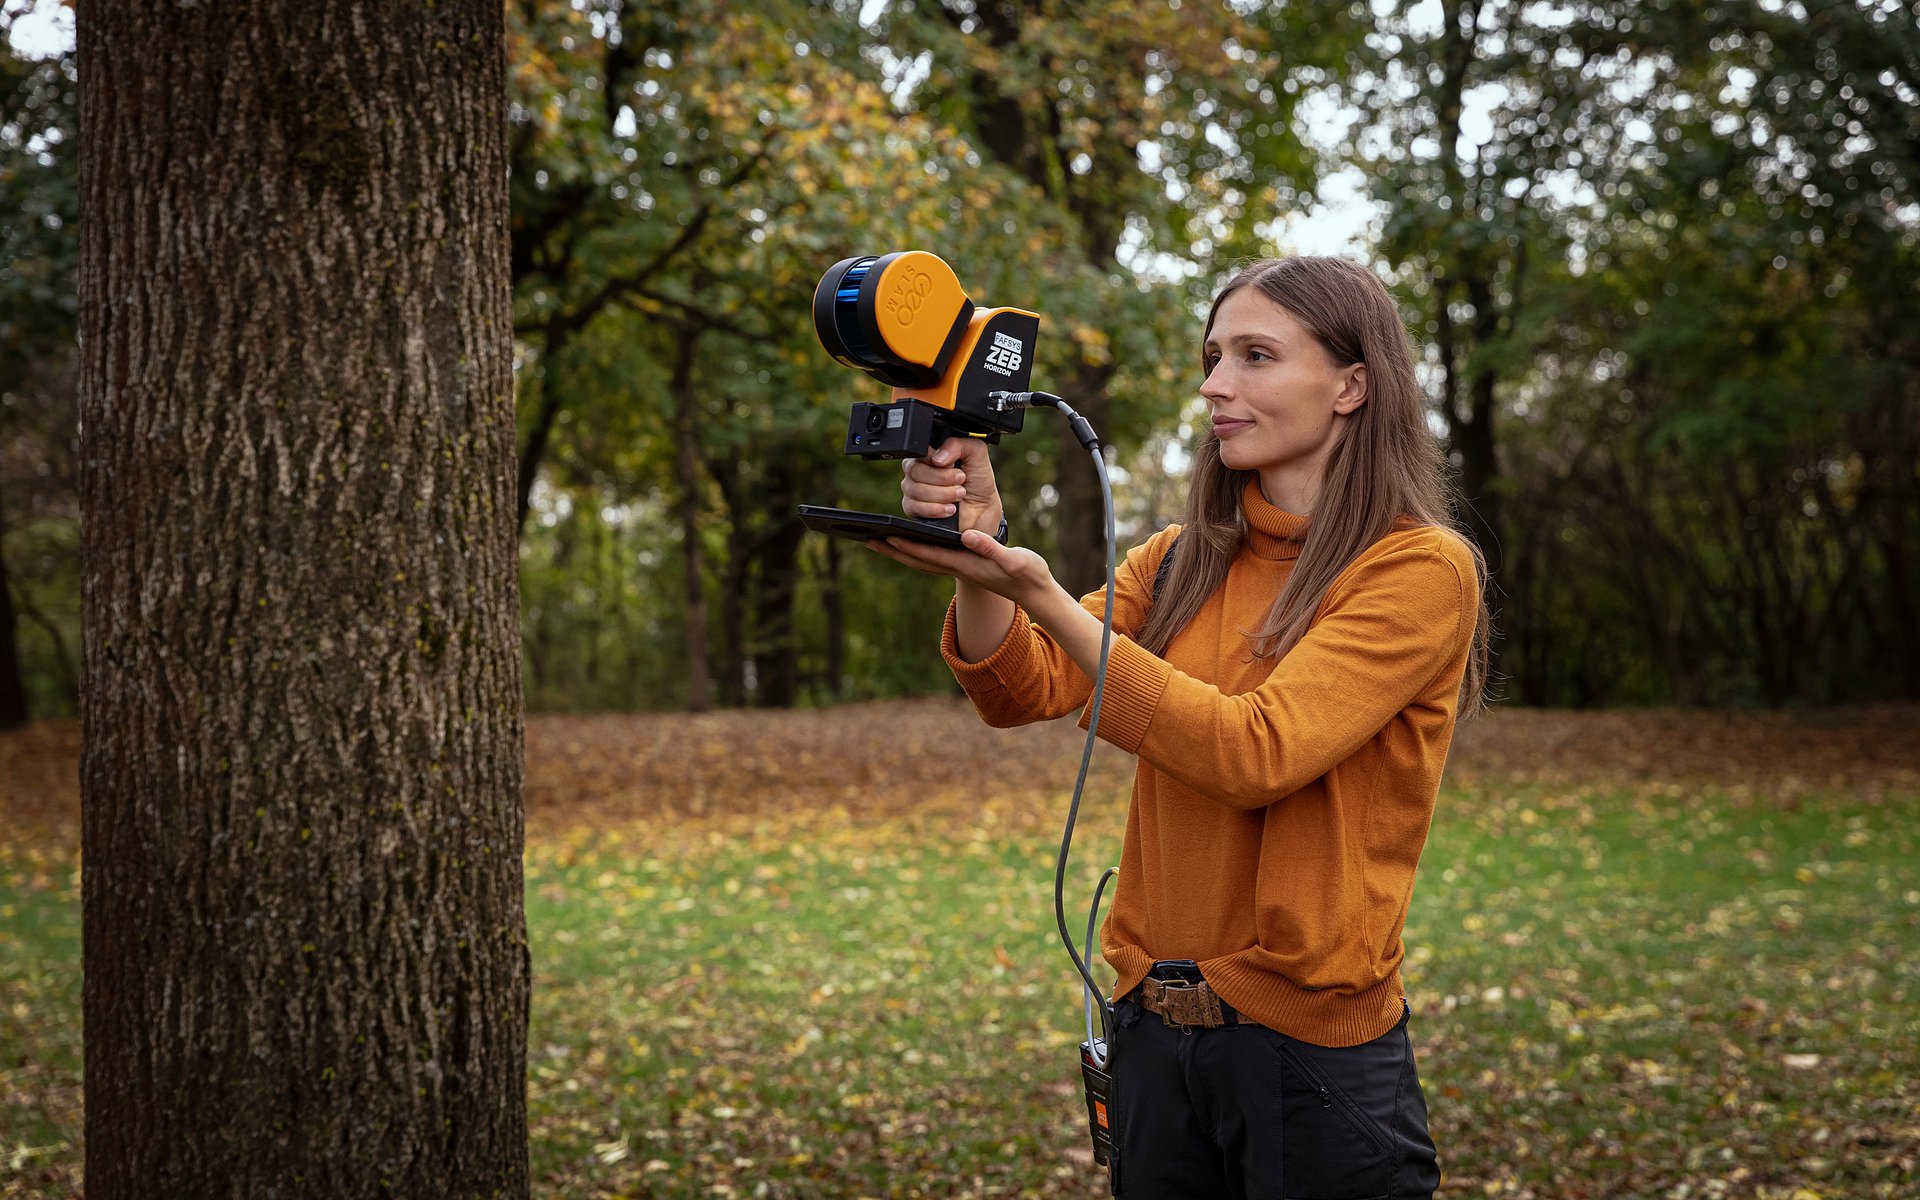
(904, 319)
(959, 371)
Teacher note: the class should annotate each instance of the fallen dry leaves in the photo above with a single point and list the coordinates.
(811, 954)
(898, 756)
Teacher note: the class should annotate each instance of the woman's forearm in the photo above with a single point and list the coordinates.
(981, 620)
(1077, 631)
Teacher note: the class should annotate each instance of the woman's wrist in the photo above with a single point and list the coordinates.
(971, 592)
(989, 522)
(1051, 607)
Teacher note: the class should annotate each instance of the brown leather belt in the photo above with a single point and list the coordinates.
(1185, 1005)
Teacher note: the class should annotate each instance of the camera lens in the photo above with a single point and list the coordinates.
(876, 420)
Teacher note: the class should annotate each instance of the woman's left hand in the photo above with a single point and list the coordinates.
(1011, 571)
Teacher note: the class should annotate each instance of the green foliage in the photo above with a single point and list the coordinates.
(39, 205)
(1658, 261)
(1665, 255)
(39, 258)
(694, 207)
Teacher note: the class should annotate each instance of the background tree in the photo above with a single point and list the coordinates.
(1480, 125)
(38, 251)
(306, 963)
(1167, 139)
(1776, 229)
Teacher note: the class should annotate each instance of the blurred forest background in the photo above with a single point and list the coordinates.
(1659, 259)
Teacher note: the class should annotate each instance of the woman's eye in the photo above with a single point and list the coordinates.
(1257, 354)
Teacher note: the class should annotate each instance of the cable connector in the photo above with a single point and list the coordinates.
(1008, 401)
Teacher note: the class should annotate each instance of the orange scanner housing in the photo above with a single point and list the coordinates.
(898, 317)
(982, 363)
(914, 303)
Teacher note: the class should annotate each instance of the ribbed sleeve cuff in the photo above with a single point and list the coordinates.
(1011, 660)
(1135, 682)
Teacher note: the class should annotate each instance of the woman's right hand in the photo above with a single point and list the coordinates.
(956, 475)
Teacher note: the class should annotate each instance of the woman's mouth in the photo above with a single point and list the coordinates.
(1227, 428)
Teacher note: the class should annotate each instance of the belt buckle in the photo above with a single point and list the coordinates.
(1166, 1008)
(1191, 995)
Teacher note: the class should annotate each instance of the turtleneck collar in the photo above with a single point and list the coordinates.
(1271, 532)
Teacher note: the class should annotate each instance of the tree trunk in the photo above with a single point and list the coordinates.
(1890, 451)
(732, 656)
(777, 658)
(62, 657)
(1475, 440)
(769, 556)
(13, 690)
(686, 433)
(306, 967)
(1080, 518)
(1471, 262)
(1023, 132)
(540, 662)
(733, 621)
(833, 599)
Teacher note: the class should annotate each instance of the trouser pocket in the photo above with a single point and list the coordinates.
(1331, 1097)
(1355, 1124)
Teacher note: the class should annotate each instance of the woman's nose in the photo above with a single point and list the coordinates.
(1216, 386)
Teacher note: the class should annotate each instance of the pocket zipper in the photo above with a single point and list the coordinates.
(1329, 1093)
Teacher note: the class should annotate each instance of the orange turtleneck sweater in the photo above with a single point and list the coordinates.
(1280, 808)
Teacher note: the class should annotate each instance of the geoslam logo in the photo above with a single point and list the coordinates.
(909, 296)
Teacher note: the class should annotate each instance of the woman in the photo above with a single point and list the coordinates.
(1290, 687)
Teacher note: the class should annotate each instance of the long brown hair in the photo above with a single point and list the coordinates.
(1386, 465)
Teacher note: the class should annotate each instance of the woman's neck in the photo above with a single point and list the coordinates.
(1294, 487)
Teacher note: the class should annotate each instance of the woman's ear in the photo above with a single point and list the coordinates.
(1354, 393)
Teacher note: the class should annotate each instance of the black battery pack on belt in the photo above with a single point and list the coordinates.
(1099, 1099)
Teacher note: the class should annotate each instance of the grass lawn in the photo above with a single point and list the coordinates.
(1629, 978)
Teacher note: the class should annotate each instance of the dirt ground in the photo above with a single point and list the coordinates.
(888, 757)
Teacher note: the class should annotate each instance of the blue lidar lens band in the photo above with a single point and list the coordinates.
(846, 313)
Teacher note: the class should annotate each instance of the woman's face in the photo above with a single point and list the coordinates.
(1276, 396)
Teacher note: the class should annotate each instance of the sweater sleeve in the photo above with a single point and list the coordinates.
(1392, 626)
(1029, 677)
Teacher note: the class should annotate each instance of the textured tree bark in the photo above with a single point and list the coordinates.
(305, 946)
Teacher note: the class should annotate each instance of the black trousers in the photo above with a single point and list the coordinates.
(1243, 1111)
